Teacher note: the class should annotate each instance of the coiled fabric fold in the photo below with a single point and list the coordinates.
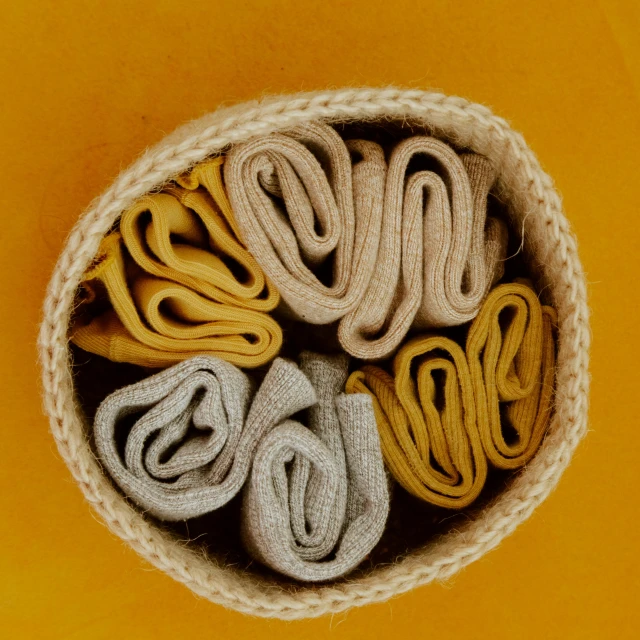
(317, 499)
(438, 253)
(303, 206)
(156, 323)
(427, 425)
(445, 414)
(190, 450)
(189, 288)
(511, 353)
(408, 246)
(188, 235)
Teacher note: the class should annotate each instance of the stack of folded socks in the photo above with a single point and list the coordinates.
(180, 283)
(446, 374)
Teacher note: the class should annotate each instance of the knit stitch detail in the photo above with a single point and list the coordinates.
(535, 209)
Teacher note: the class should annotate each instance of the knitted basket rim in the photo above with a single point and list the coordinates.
(535, 207)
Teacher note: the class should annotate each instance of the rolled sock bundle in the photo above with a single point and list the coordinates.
(191, 288)
(511, 353)
(191, 449)
(428, 430)
(439, 431)
(317, 500)
(438, 254)
(156, 322)
(189, 237)
(303, 205)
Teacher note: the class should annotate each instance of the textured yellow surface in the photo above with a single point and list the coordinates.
(87, 85)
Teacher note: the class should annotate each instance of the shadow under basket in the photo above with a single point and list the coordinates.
(422, 543)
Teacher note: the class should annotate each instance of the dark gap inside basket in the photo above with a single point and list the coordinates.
(412, 524)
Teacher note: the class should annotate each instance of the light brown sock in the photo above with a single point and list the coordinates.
(436, 260)
(302, 204)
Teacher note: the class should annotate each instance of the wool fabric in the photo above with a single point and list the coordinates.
(190, 451)
(188, 235)
(317, 499)
(440, 415)
(189, 285)
(302, 206)
(408, 248)
(439, 253)
(428, 430)
(155, 322)
(511, 353)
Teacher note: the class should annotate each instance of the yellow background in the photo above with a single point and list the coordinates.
(87, 85)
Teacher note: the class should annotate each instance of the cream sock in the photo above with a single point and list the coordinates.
(400, 259)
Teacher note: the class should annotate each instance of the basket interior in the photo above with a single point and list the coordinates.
(412, 523)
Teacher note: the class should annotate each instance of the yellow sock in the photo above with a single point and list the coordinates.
(439, 416)
(427, 430)
(512, 363)
(188, 235)
(155, 322)
(191, 288)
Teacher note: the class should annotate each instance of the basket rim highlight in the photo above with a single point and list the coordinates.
(535, 207)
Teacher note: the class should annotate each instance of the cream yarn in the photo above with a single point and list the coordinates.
(534, 207)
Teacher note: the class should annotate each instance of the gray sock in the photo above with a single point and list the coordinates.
(319, 491)
(208, 469)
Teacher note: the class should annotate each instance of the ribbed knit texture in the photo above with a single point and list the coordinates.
(191, 450)
(438, 252)
(317, 499)
(300, 202)
(534, 208)
(191, 288)
(439, 416)
(428, 431)
(402, 247)
(202, 472)
(513, 363)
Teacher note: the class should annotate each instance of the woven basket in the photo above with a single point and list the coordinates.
(534, 207)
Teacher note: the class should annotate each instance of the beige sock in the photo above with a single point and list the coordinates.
(436, 260)
(399, 259)
(317, 499)
(300, 202)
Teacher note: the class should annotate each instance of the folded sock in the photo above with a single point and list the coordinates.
(316, 502)
(403, 247)
(185, 286)
(304, 206)
(427, 425)
(155, 322)
(438, 254)
(187, 235)
(190, 448)
(445, 413)
(511, 353)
